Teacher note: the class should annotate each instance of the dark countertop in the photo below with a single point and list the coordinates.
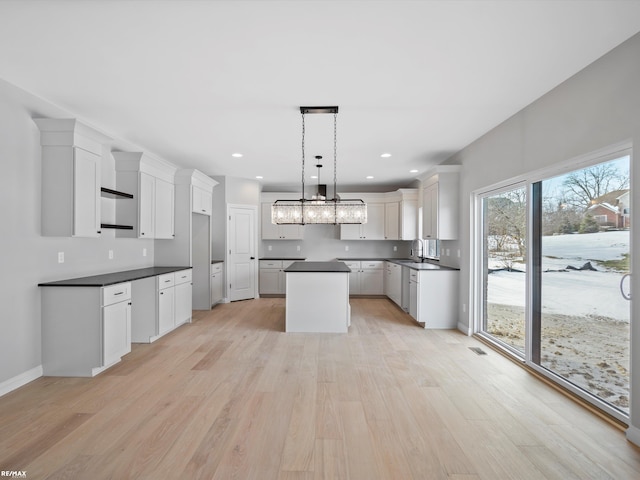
(113, 278)
(405, 262)
(216, 261)
(297, 259)
(338, 267)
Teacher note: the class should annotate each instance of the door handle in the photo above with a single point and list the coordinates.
(625, 295)
(252, 258)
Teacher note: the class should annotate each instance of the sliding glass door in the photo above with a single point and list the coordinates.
(503, 268)
(584, 321)
(564, 239)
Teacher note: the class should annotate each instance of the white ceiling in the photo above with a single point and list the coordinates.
(195, 81)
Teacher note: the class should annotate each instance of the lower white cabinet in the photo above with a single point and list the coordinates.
(162, 303)
(393, 282)
(366, 277)
(272, 276)
(433, 298)
(217, 293)
(85, 330)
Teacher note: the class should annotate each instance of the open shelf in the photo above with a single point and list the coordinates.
(109, 193)
(117, 227)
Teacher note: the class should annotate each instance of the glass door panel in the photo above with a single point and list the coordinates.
(584, 321)
(504, 268)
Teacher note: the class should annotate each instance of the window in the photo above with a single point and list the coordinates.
(548, 279)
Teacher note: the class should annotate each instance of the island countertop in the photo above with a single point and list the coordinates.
(113, 278)
(335, 267)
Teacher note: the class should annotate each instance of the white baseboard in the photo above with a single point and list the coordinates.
(20, 380)
(464, 329)
(633, 435)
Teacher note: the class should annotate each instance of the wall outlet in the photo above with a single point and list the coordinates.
(464, 307)
(144, 252)
(448, 252)
(298, 248)
(269, 248)
(60, 257)
(110, 254)
(346, 248)
(395, 248)
(458, 253)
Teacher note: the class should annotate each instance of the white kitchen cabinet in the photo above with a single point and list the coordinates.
(202, 201)
(85, 330)
(433, 296)
(409, 217)
(392, 221)
(372, 230)
(162, 303)
(183, 297)
(272, 278)
(271, 231)
(440, 206)
(393, 282)
(151, 211)
(217, 293)
(71, 172)
(366, 277)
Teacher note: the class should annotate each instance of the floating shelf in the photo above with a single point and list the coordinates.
(116, 227)
(109, 193)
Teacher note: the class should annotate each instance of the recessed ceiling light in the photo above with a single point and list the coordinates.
(369, 177)
(385, 155)
(236, 155)
(259, 177)
(413, 171)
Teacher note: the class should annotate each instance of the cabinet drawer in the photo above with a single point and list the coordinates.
(216, 267)
(116, 293)
(183, 276)
(372, 264)
(413, 275)
(166, 280)
(270, 263)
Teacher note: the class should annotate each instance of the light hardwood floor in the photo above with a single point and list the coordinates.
(231, 396)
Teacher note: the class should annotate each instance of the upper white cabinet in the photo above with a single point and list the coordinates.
(71, 165)
(408, 214)
(372, 230)
(392, 221)
(271, 231)
(440, 205)
(151, 181)
(202, 201)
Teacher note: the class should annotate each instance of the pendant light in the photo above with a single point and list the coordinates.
(319, 210)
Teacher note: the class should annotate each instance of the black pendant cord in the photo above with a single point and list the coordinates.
(303, 157)
(335, 156)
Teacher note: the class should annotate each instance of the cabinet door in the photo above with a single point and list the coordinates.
(372, 281)
(350, 232)
(430, 212)
(291, 232)
(116, 332)
(183, 303)
(270, 283)
(164, 209)
(408, 220)
(374, 228)
(392, 221)
(354, 282)
(216, 288)
(166, 310)
(270, 231)
(146, 206)
(86, 193)
(202, 201)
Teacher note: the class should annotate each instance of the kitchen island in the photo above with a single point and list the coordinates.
(317, 297)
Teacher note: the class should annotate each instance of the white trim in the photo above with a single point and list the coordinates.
(466, 329)
(633, 435)
(20, 380)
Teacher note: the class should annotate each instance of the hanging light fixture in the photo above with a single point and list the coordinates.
(319, 210)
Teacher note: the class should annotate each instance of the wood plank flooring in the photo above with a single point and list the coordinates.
(231, 396)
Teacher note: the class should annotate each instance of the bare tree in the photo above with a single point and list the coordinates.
(583, 186)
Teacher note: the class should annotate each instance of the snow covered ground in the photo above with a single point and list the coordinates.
(576, 293)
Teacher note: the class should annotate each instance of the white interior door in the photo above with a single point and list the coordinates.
(242, 252)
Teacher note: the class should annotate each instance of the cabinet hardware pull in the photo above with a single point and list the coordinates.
(167, 281)
(161, 293)
(129, 303)
(118, 293)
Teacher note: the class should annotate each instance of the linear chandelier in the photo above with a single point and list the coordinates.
(318, 209)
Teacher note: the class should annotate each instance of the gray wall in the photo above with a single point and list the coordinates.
(322, 243)
(596, 108)
(26, 257)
